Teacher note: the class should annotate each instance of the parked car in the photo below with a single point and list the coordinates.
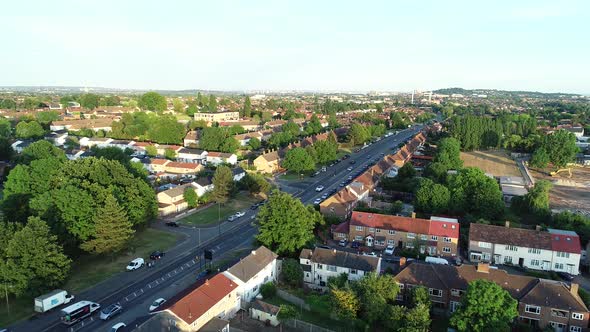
(240, 214)
(316, 173)
(110, 311)
(319, 188)
(231, 218)
(157, 303)
(156, 255)
(254, 207)
(324, 169)
(342, 184)
(355, 245)
(349, 177)
(342, 243)
(372, 254)
(135, 264)
(317, 201)
(324, 246)
(203, 273)
(565, 276)
(349, 169)
(172, 224)
(325, 195)
(118, 327)
(389, 250)
(353, 162)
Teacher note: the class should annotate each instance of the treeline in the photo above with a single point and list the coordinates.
(476, 132)
(300, 160)
(143, 126)
(89, 205)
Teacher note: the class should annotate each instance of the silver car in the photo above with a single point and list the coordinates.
(110, 311)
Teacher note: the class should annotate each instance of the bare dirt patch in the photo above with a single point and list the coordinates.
(572, 194)
(495, 162)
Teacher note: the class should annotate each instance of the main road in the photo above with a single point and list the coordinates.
(179, 268)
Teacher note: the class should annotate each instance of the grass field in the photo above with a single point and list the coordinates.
(495, 162)
(209, 216)
(90, 270)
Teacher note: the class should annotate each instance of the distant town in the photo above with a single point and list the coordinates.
(194, 210)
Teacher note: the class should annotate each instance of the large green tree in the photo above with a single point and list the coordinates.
(449, 153)
(89, 100)
(540, 158)
(561, 147)
(153, 101)
(190, 196)
(485, 307)
(358, 134)
(31, 129)
(247, 109)
(375, 292)
(167, 130)
(297, 160)
(112, 229)
(345, 302)
(5, 128)
(432, 197)
(475, 193)
(291, 272)
(286, 225)
(223, 184)
(313, 126)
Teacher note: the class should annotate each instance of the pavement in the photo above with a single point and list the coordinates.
(136, 290)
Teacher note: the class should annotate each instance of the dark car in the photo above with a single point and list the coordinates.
(355, 244)
(156, 255)
(565, 276)
(352, 162)
(203, 273)
(172, 224)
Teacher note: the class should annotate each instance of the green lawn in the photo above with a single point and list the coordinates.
(210, 215)
(90, 270)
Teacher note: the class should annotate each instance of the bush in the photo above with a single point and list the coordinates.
(268, 290)
(292, 273)
(585, 296)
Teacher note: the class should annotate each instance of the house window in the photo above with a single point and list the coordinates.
(511, 248)
(457, 292)
(353, 271)
(507, 259)
(424, 237)
(411, 236)
(409, 245)
(577, 315)
(341, 235)
(331, 268)
(563, 254)
(434, 238)
(359, 228)
(455, 305)
(559, 266)
(320, 266)
(446, 250)
(447, 239)
(390, 242)
(575, 329)
(358, 238)
(532, 309)
(435, 292)
(371, 230)
(535, 262)
(484, 244)
(391, 232)
(377, 230)
(534, 251)
(556, 325)
(559, 313)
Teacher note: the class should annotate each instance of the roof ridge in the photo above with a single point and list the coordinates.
(437, 275)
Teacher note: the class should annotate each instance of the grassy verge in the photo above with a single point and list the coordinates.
(291, 177)
(209, 216)
(90, 270)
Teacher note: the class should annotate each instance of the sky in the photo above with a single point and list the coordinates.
(279, 45)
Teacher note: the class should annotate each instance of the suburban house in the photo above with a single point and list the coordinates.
(244, 139)
(268, 162)
(101, 142)
(551, 250)
(161, 148)
(215, 299)
(541, 303)
(320, 264)
(58, 138)
(188, 155)
(435, 236)
(253, 271)
(191, 139)
(20, 145)
(172, 200)
(345, 200)
(183, 168)
(265, 312)
(247, 125)
(203, 185)
(218, 158)
(211, 117)
(103, 124)
(158, 165)
(238, 173)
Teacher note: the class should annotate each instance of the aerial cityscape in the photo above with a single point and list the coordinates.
(294, 166)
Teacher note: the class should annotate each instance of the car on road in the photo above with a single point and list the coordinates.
(254, 207)
(118, 327)
(389, 250)
(324, 169)
(355, 245)
(156, 255)
(203, 273)
(342, 243)
(357, 150)
(319, 188)
(565, 276)
(353, 162)
(349, 177)
(372, 254)
(317, 201)
(135, 264)
(157, 303)
(172, 224)
(325, 195)
(342, 184)
(110, 311)
(316, 173)
(240, 214)
(232, 218)
(349, 169)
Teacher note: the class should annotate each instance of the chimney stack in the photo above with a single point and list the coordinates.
(483, 267)
(402, 262)
(207, 282)
(538, 228)
(253, 252)
(507, 224)
(413, 215)
(334, 251)
(574, 288)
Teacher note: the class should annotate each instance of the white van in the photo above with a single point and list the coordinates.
(436, 260)
(135, 264)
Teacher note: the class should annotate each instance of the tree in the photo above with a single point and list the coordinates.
(151, 151)
(291, 128)
(437, 171)
(5, 128)
(297, 160)
(286, 312)
(153, 101)
(34, 255)
(540, 158)
(170, 154)
(325, 151)
(420, 296)
(561, 147)
(358, 134)
(397, 207)
(166, 129)
(537, 199)
(474, 192)
(432, 197)
(212, 103)
(255, 183)
(485, 307)
(268, 290)
(417, 319)
(286, 225)
(229, 145)
(112, 229)
(314, 125)
(89, 100)
(190, 196)
(394, 317)
(449, 153)
(247, 110)
(254, 143)
(345, 302)
(46, 117)
(178, 105)
(30, 129)
(374, 292)
(41, 150)
(291, 272)
(223, 184)
(407, 171)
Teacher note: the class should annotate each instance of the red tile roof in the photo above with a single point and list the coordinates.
(566, 243)
(199, 301)
(404, 224)
(159, 161)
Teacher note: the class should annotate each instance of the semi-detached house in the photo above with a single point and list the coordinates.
(320, 264)
(551, 250)
(253, 271)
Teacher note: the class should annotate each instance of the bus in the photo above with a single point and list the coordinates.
(78, 311)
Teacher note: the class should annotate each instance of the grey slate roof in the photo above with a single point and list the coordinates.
(344, 259)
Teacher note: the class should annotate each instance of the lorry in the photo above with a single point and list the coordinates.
(78, 311)
(51, 300)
